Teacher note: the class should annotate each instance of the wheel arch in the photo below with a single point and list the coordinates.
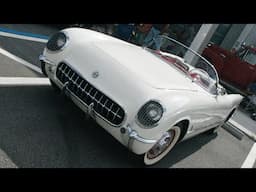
(184, 124)
(230, 114)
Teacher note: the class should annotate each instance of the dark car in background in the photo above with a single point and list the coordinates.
(237, 68)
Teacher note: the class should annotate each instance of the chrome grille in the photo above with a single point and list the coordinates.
(86, 92)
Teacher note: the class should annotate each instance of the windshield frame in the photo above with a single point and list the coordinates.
(188, 49)
(197, 54)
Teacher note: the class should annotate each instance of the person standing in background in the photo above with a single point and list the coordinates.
(153, 35)
(141, 30)
(124, 31)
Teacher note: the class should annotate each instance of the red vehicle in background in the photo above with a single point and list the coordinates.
(237, 68)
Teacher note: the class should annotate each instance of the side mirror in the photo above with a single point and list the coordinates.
(221, 91)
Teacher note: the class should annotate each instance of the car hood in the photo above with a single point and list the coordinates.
(151, 69)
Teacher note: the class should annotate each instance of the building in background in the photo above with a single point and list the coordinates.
(230, 36)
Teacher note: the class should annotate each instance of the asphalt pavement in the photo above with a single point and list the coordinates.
(11, 68)
(27, 50)
(244, 119)
(42, 129)
(39, 128)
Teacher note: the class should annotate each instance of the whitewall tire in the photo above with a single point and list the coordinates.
(163, 146)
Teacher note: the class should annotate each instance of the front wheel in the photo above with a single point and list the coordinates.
(163, 146)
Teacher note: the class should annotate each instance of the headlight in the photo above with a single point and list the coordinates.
(150, 114)
(57, 41)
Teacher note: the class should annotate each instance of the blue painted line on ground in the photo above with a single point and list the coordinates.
(24, 33)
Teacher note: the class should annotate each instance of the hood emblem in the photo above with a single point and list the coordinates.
(95, 74)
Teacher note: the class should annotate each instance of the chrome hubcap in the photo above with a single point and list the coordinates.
(161, 145)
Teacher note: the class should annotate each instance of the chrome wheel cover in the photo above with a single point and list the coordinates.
(161, 145)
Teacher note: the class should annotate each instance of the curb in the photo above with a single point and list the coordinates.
(241, 128)
(233, 131)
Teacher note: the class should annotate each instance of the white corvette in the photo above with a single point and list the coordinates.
(147, 99)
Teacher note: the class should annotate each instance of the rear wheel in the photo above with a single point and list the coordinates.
(163, 146)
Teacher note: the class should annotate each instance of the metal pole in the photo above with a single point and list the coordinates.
(244, 34)
(200, 41)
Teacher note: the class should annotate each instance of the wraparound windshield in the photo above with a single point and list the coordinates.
(185, 60)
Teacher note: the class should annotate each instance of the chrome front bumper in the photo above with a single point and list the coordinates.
(134, 135)
(136, 143)
(42, 58)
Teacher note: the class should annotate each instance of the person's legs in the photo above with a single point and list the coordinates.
(141, 38)
(150, 38)
(123, 31)
(158, 41)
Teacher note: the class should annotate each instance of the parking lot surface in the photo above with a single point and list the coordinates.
(41, 129)
(26, 49)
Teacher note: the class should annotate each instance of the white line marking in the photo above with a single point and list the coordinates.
(23, 81)
(251, 157)
(23, 37)
(243, 129)
(20, 60)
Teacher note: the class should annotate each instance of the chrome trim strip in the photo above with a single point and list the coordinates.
(134, 135)
(95, 112)
(83, 103)
(43, 58)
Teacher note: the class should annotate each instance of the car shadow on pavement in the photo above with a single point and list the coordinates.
(184, 149)
(30, 134)
(98, 149)
(90, 146)
(42, 129)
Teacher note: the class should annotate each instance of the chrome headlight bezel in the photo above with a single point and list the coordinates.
(150, 114)
(57, 41)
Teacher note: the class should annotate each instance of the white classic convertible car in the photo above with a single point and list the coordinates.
(147, 99)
